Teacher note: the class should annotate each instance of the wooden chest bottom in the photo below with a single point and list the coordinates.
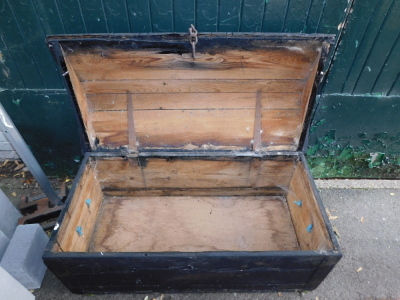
(192, 224)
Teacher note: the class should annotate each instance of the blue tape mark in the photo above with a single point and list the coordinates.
(79, 230)
(309, 228)
(299, 203)
(88, 201)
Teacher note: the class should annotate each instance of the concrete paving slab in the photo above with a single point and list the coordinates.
(9, 216)
(369, 226)
(23, 257)
(11, 289)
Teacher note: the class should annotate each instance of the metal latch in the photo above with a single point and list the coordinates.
(193, 39)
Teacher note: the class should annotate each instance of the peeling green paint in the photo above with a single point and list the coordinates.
(314, 127)
(16, 101)
(328, 159)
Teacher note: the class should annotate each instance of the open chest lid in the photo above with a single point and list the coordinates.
(141, 93)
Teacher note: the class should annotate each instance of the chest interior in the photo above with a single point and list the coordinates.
(198, 153)
(193, 205)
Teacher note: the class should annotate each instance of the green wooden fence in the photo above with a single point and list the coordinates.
(354, 130)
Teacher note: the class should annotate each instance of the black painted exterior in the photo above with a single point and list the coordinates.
(213, 271)
(108, 272)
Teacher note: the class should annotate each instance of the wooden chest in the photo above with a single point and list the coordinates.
(195, 180)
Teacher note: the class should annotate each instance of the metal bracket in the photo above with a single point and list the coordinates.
(40, 210)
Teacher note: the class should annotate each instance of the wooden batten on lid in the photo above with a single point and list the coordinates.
(252, 96)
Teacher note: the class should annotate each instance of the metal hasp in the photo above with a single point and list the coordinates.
(193, 39)
(15, 138)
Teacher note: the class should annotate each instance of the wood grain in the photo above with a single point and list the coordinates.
(111, 102)
(281, 127)
(193, 86)
(126, 191)
(269, 63)
(80, 214)
(177, 128)
(309, 213)
(193, 224)
(308, 88)
(83, 104)
(184, 174)
(115, 171)
(195, 105)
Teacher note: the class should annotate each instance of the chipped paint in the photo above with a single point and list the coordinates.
(297, 49)
(328, 159)
(4, 69)
(16, 101)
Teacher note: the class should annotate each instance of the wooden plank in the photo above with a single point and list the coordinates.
(111, 172)
(123, 190)
(193, 86)
(176, 128)
(283, 62)
(308, 89)
(168, 123)
(82, 102)
(300, 189)
(275, 173)
(171, 101)
(80, 214)
(161, 173)
(282, 100)
(111, 128)
(194, 128)
(323, 270)
(185, 278)
(191, 224)
(281, 127)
